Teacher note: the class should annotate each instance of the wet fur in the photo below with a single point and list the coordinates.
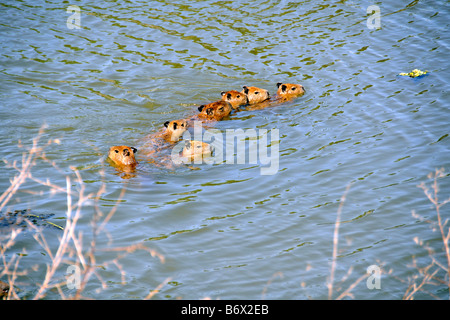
(215, 110)
(235, 98)
(123, 158)
(194, 150)
(285, 92)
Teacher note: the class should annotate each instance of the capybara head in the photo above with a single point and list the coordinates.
(123, 155)
(215, 110)
(175, 129)
(235, 98)
(255, 94)
(288, 91)
(195, 150)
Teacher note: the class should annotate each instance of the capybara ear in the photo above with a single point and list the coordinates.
(279, 84)
(201, 108)
(166, 124)
(134, 149)
(222, 93)
(245, 89)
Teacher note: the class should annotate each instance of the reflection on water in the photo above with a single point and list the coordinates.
(226, 230)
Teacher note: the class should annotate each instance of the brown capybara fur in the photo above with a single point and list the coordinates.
(215, 110)
(289, 91)
(255, 95)
(164, 138)
(196, 150)
(235, 98)
(123, 157)
(174, 130)
(285, 92)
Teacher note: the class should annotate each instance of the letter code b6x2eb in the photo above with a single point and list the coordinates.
(247, 309)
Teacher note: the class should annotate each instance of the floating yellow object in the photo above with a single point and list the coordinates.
(414, 74)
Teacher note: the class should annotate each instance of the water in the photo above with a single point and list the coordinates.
(226, 231)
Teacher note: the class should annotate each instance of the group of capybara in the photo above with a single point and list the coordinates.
(250, 98)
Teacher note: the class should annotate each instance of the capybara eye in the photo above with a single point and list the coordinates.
(238, 96)
(116, 151)
(221, 109)
(256, 92)
(175, 126)
(293, 88)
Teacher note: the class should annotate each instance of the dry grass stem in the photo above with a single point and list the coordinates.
(435, 273)
(276, 274)
(335, 242)
(158, 288)
(70, 250)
